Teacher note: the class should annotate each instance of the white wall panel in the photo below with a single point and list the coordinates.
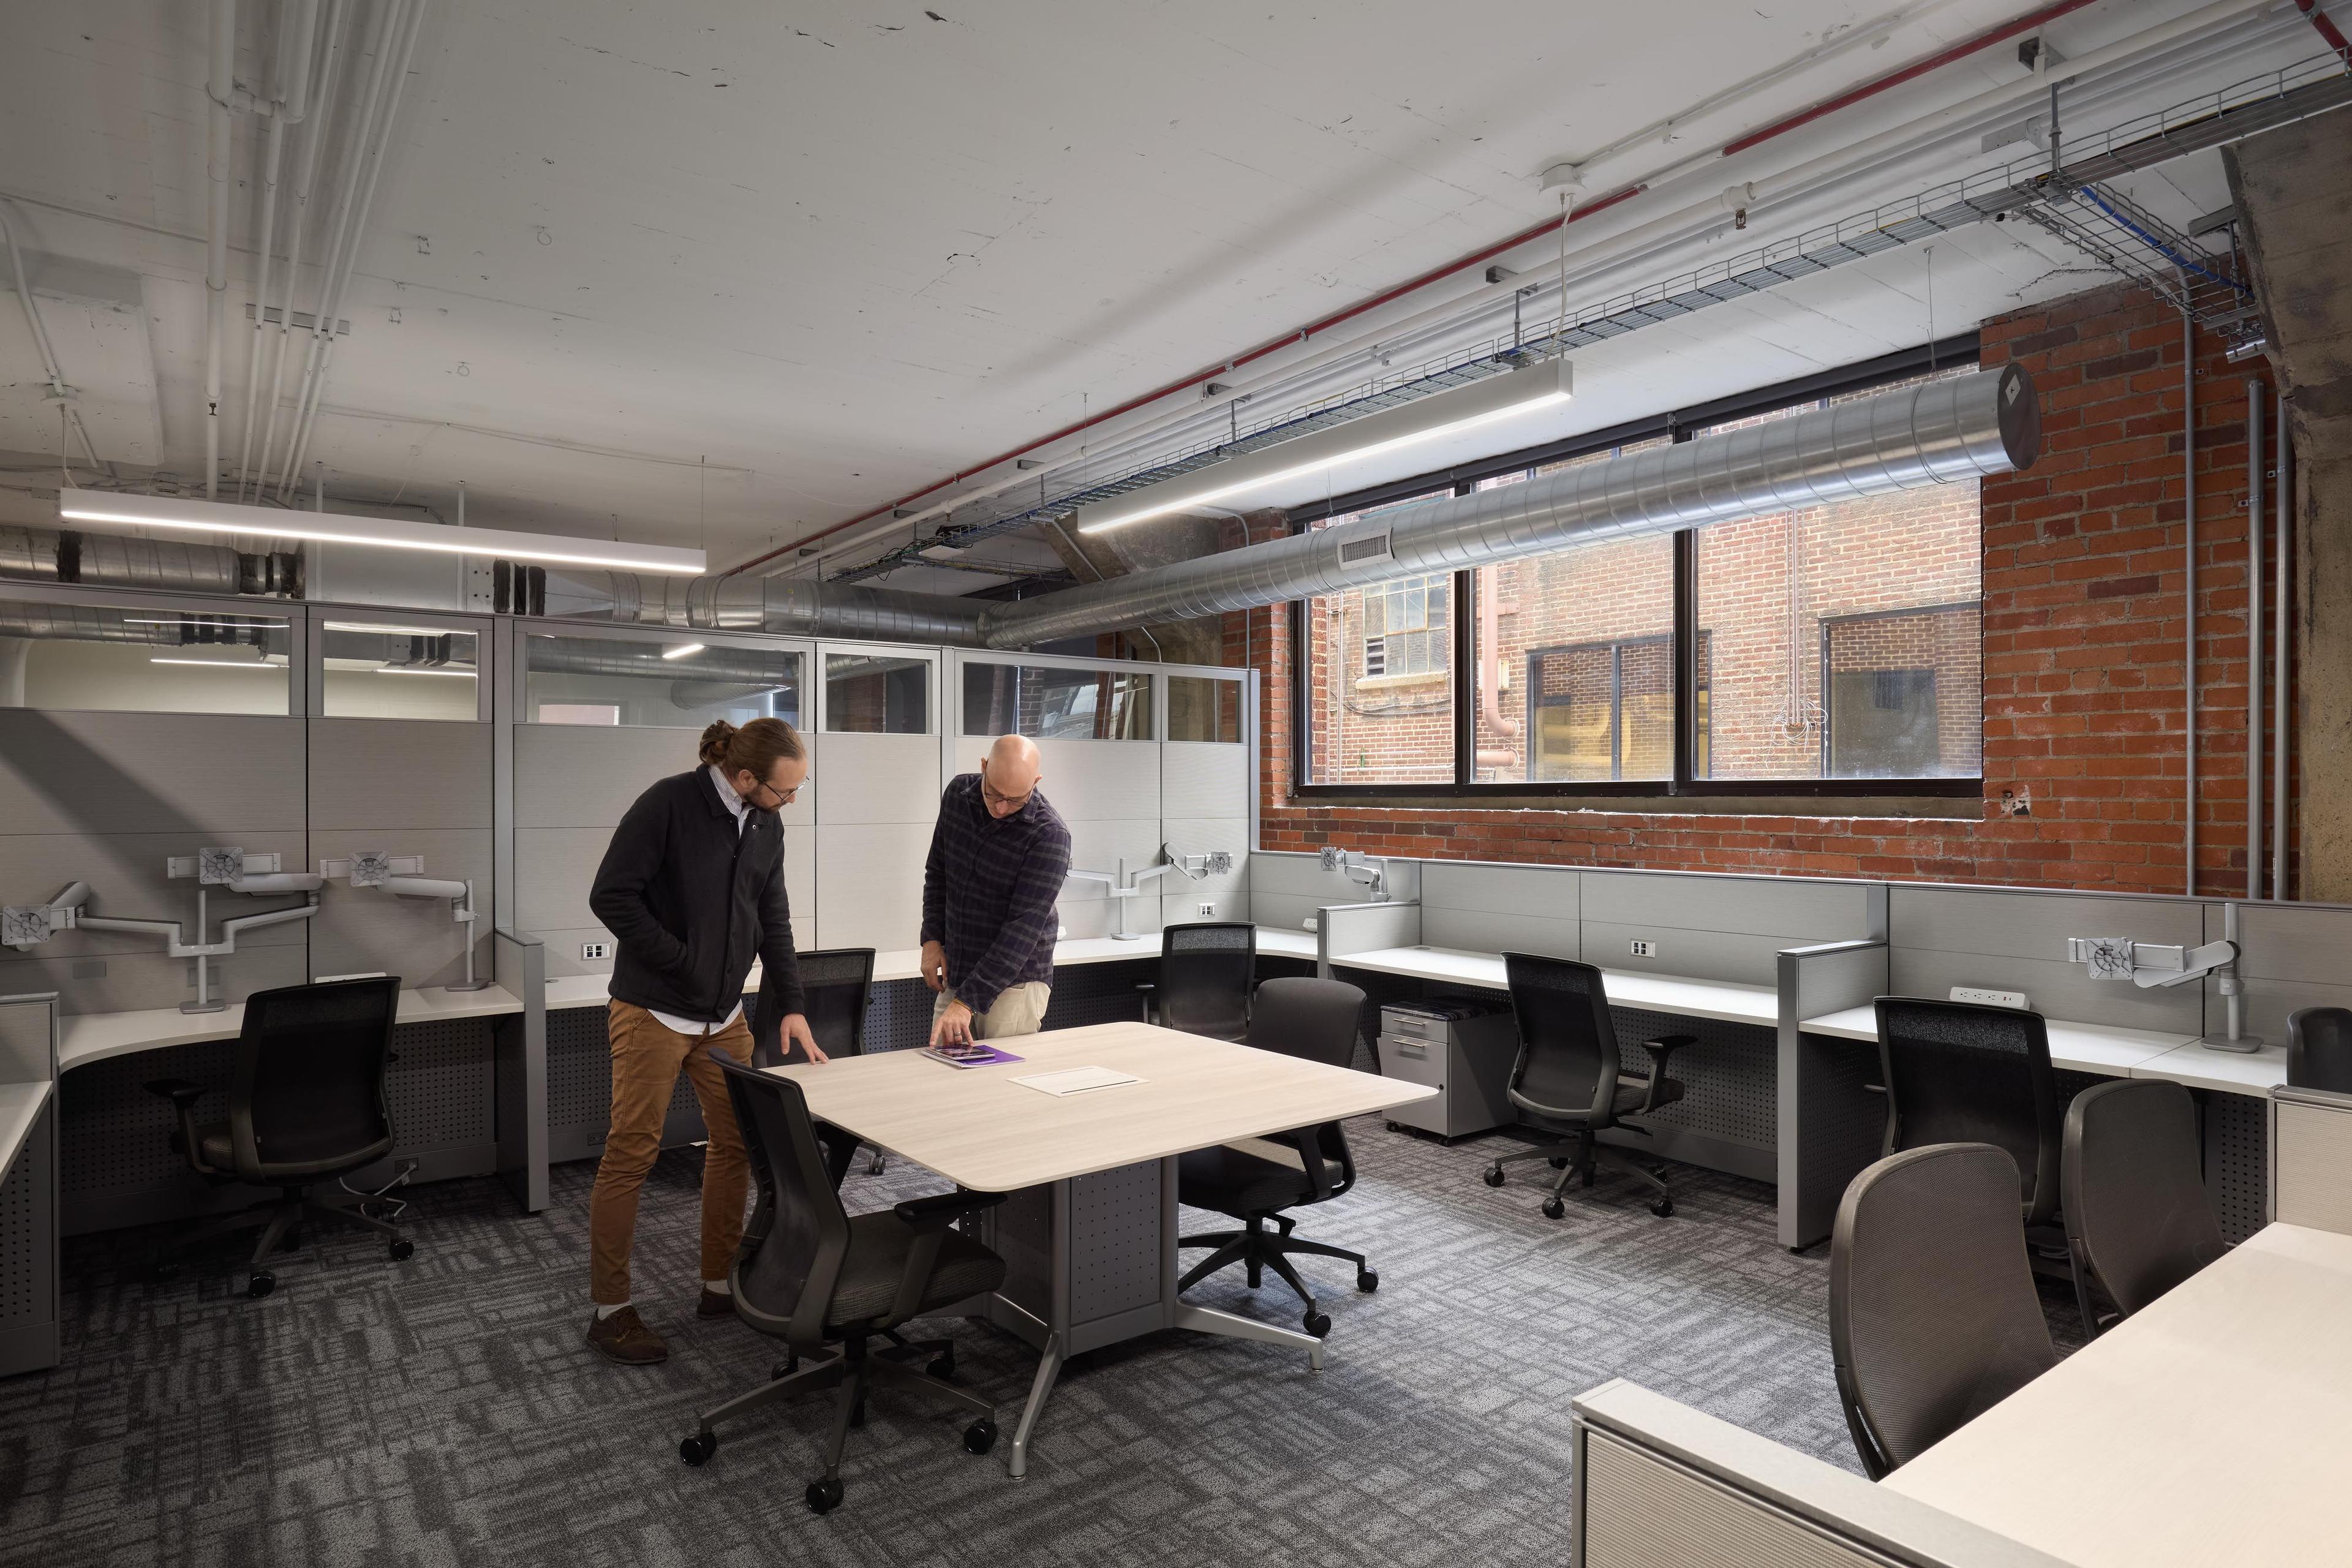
(878, 779)
(1552, 893)
(1802, 912)
(1203, 778)
(1101, 781)
(869, 885)
(1491, 931)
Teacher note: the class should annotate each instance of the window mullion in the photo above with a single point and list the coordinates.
(1686, 648)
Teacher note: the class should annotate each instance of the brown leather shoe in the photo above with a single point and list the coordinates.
(715, 1304)
(624, 1337)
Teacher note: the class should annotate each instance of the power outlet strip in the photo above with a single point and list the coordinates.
(590, 952)
(1208, 911)
(1645, 949)
(1984, 998)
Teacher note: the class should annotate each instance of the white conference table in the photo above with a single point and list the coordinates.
(1089, 1235)
(2113, 1052)
(1719, 999)
(2209, 1427)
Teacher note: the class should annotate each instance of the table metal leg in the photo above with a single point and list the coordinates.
(1049, 1367)
(1233, 1326)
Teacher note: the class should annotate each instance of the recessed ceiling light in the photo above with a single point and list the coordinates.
(681, 650)
(186, 515)
(223, 664)
(420, 669)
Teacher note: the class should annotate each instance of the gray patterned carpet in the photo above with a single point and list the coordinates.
(445, 1410)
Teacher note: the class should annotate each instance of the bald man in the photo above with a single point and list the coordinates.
(999, 855)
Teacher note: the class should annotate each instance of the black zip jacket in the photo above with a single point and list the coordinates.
(692, 899)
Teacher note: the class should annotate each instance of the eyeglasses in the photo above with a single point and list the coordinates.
(783, 796)
(989, 794)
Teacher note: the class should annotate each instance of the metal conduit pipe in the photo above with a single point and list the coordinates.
(1963, 428)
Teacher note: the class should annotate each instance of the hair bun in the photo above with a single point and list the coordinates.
(713, 749)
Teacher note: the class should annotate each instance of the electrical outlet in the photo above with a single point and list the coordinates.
(1208, 911)
(1645, 949)
(590, 952)
(1984, 998)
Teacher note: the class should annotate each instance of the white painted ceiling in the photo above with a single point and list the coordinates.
(726, 273)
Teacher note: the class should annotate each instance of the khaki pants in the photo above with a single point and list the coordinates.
(1017, 1010)
(646, 1058)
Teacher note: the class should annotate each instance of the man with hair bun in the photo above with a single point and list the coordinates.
(693, 887)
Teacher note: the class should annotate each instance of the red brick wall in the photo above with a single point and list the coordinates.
(2083, 624)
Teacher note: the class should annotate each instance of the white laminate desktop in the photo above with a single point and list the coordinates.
(1723, 1000)
(20, 1107)
(93, 1036)
(2206, 1428)
(2115, 1053)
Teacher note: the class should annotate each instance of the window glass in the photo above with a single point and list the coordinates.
(1204, 708)
(1380, 695)
(1846, 638)
(1056, 704)
(386, 670)
(1574, 675)
(90, 657)
(877, 694)
(679, 685)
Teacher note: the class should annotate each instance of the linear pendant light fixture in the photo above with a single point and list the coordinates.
(182, 514)
(1450, 413)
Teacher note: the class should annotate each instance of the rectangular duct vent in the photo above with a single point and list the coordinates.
(1370, 547)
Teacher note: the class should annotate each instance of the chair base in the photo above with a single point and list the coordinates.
(280, 1219)
(851, 1374)
(1257, 1249)
(1584, 1157)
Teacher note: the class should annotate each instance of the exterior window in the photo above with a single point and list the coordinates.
(1827, 643)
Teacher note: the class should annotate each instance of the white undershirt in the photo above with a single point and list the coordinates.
(695, 1026)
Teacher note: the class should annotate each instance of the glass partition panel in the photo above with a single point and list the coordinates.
(95, 658)
(1204, 708)
(680, 685)
(877, 694)
(386, 670)
(1056, 704)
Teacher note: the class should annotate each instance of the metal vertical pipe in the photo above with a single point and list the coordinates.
(2255, 393)
(218, 142)
(2188, 602)
(2279, 748)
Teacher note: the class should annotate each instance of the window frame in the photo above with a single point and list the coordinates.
(1680, 426)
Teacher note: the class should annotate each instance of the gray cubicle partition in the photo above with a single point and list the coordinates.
(1830, 1122)
(519, 1044)
(29, 1285)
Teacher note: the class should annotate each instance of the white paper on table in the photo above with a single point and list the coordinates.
(1076, 1080)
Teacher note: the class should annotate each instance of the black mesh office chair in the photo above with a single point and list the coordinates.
(1959, 1073)
(2134, 1193)
(1569, 1078)
(1933, 1315)
(1206, 970)
(306, 1105)
(814, 1275)
(837, 988)
(1316, 1020)
(2319, 1049)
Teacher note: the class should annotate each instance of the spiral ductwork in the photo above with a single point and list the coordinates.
(1934, 433)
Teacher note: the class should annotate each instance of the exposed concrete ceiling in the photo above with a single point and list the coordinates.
(718, 273)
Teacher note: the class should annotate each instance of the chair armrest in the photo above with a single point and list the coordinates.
(944, 1209)
(178, 1090)
(930, 1219)
(1662, 1050)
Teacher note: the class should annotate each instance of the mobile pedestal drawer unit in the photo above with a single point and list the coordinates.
(1462, 1048)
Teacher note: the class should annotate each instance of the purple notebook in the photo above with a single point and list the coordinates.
(975, 1055)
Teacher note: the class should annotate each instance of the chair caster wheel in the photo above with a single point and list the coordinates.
(1559, 1163)
(1663, 1208)
(1493, 1175)
(1316, 1323)
(942, 1366)
(260, 1284)
(822, 1496)
(1395, 1128)
(1367, 1282)
(1553, 1208)
(163, 1271)
(980, 1436)
(784, 1368)
(696, 1450)
(402, 1249)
